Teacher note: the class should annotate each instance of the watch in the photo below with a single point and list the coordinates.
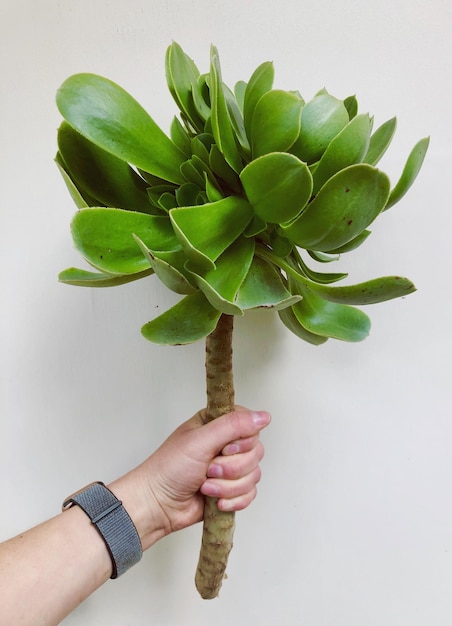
(112, 522)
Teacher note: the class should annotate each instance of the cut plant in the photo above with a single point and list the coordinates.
(236, 209)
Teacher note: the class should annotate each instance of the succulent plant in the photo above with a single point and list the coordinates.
(252, 186)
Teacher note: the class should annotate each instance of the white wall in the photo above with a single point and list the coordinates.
(353, 524)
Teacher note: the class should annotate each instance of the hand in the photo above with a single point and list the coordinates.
(219, 459)
(61, 562)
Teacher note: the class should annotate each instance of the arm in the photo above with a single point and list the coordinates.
(59, 563)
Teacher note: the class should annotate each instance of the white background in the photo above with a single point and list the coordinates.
(353, 523)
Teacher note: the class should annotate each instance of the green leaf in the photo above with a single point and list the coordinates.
(220, 285)
(187, 194)
(199, 149)
(191, 173)
(263, 287)
(410, 172)
(201, 98)
(221, 123)
(289, 320)
(237, 123)
(380, 141)
(370, 292)
(276, 122)
(280, 245)
(239, 93)
(255, 227)
(351, 104)
(170, 276)
(213, 190)
(353, 244)
(105, 238)
(191, 319)
(321, 120)
(223, 171)
(347, 148)
(343, 208)
(108, 116)
(81, 201)
(328, 319)
(157, 192)
(181, 77)
(83, 278)
(109, 180)
(278, 186)
(260, 83)
(320, 277)
(180, 137)
(205, 231)
(321, 257)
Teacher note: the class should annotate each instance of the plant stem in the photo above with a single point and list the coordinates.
(218, 526)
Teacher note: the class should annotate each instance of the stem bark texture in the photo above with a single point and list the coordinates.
(218, 529)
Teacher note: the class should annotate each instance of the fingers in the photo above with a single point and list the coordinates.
(237, 504)
(230, 450)
(233, 494)
(232, 433)
(238, 465)
(240, 446)
(233, 479)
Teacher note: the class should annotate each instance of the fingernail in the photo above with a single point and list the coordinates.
(208, 489)
(232, 448)
(260, 418)
(215, 471)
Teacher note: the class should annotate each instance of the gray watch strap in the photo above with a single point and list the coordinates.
(113, 523)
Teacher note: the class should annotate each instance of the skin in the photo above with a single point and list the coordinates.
(59, 563)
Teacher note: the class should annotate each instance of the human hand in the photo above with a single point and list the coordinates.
(219, 459)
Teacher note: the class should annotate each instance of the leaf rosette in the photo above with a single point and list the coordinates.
(251, 185)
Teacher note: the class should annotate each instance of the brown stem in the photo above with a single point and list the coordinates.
(218, 529)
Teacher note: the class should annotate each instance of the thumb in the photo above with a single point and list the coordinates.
(241, 423)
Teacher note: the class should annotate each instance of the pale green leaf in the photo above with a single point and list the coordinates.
(347, 148)
(380, 141)
(369, 292)
(84, 278)
(260, 83)
(101, 175)
(221, 122)
(170, 276)
(342, 209)
(108, 116)
(338, 321)
(81, 202)
(181, 76)
(105, 238)
(288, 318)
(276, 122)
(278, 186)
(205, 231)
(263, 287)
(221, 284)
(322, 118)
(191, 319)
(410, 172)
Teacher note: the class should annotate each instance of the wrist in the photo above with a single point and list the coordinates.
(142, 506)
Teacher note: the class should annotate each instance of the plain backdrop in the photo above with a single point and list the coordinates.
(353, 522)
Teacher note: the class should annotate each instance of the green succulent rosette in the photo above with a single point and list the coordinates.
(230, 210)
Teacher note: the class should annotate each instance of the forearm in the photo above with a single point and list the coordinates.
(49, 570)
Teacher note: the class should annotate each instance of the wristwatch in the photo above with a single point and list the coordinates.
(112, 522)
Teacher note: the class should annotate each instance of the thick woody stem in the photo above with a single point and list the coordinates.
(218, 529)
